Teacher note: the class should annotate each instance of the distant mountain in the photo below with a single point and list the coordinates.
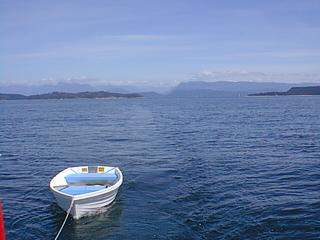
(10, 96)
(78, 87)
(222, 87)
(150, 94)
(65, 95)
(204, 93)
(311, 90)
(184, 89)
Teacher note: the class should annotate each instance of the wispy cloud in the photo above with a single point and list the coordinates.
(290, 53)
(140, 37)
(50, 81)
(255, 76)
(240, 12)
(107, 46)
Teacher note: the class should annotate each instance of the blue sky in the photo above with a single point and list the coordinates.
(159, 42)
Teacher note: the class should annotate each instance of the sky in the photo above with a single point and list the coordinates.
(158, 42)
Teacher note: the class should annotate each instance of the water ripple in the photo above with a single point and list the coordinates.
(199, 168)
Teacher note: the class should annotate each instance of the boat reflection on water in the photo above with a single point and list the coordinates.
(98, 226)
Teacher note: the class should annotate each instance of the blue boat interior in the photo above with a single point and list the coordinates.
(82, 183)
(77, 190)
(91, 178)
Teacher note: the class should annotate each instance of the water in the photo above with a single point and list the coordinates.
(197, 168)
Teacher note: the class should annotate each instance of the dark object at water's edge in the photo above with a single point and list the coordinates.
(314, 90)
(64, 95)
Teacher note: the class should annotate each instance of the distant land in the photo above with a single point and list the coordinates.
(311, 90)
(229, 88)
(184, 89)
(65, 95)
(77, 87)
(241, 86)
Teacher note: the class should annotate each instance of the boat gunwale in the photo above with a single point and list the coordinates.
(87, 195)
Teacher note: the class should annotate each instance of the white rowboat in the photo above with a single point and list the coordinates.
(86, 189)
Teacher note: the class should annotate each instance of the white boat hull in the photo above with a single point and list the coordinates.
(87, 206)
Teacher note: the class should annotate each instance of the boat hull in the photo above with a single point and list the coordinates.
(86, 206)
(84, 203)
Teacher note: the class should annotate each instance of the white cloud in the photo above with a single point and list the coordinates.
(255, 76)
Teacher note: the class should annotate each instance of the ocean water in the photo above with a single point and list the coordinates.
(194, 168)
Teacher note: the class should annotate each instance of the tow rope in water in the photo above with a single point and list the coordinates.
(65, 220)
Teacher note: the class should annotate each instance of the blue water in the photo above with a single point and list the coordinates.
(197, 168)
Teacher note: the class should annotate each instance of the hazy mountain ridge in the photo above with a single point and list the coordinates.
(294, 91)
(76, 88)
(183, 89)
(229, 89)
(243, 86)
(45, 88)
(66, 95)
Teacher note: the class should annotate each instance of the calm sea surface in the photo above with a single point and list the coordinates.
(194, 168)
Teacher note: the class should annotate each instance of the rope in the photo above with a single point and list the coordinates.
(64, 222)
